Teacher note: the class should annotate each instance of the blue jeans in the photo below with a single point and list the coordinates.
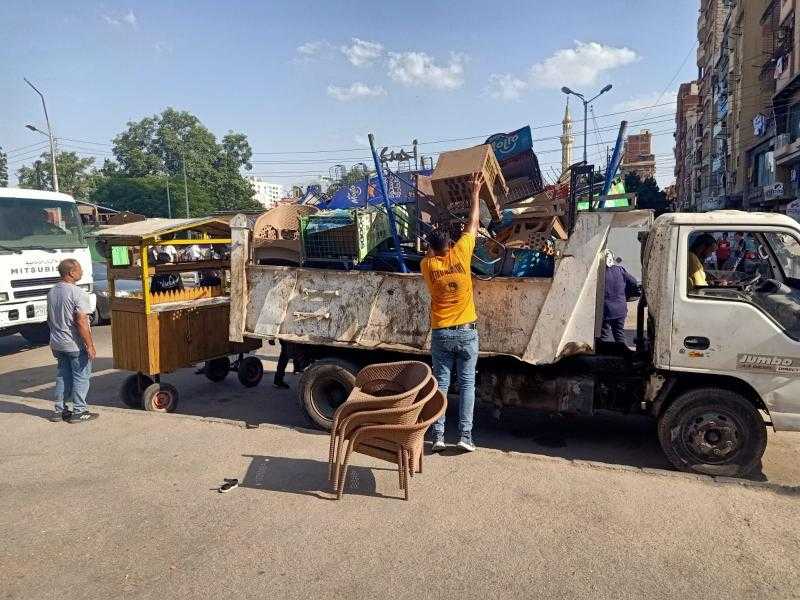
(72, 380)
(456, 348)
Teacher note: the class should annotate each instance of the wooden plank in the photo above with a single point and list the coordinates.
(173, 336)
(240, 255)
(128, 304)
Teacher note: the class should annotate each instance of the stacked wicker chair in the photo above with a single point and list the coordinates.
(386, 416)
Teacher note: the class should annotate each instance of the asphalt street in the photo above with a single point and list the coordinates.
(127, 507)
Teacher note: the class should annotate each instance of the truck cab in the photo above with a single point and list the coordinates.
(726, 355)
(37, 231)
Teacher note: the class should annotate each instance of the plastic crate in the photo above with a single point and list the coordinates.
(343, 235)
(453, 174)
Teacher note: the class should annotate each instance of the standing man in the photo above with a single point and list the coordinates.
(723, 251)
(68, 310)
(454, 336)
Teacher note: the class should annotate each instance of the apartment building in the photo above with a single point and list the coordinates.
(687, 178)
(266, 193)
(638, 155)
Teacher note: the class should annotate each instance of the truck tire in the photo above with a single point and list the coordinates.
(324, 386)
(38, 334)
(713, 431)
(250, 371)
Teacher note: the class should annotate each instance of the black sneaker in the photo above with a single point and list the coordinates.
(281, 385)
(57, 416)
(83, 417)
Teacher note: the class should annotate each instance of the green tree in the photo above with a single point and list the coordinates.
(164, 144)
(648, 194)
(75, 175)
(148, 196)
(3, 169)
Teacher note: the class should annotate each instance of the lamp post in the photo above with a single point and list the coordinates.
(586, 104)
(49, 135)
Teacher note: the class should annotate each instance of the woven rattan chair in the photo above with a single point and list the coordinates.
(402, 415)
(379, 386)
(400, 444)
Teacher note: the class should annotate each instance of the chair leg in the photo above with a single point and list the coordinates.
(331, 453)
(337, 457)
(410, 460)
(405, 472)
(400, 467)
(419, 458)
(343, 472)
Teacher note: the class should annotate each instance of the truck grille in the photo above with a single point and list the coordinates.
(18, 283)
(31, 293)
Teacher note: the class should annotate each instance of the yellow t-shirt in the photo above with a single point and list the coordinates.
(449, 282)
(697, 274)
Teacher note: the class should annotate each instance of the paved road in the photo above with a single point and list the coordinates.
(126, 507)
(28, 372)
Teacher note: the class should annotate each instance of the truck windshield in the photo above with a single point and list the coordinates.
(27, 223)
(787, 251)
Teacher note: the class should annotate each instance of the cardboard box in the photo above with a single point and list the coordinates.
(453, 173)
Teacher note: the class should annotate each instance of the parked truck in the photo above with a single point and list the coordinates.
(37, 231)
(714, 365)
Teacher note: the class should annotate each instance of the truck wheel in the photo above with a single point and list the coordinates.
(713, 431)
(160, 397)
(324, 386)
(133, 388)
(217, 369)
(37, 335)
(250, 371)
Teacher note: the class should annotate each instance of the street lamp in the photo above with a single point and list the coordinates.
(49, 135)
(586, 104)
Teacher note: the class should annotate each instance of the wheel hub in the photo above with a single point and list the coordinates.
(162, 400)
(712, 436)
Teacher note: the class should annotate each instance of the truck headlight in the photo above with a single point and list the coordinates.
(3, 297)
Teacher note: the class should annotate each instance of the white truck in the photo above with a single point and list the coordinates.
(37, 231)
(714, 365)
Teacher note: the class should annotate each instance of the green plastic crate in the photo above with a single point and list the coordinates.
(346, 234)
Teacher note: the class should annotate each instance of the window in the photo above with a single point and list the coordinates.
(794, 122)
(759, 268)
(764, 168)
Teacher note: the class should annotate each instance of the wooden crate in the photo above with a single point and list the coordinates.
(453, 173)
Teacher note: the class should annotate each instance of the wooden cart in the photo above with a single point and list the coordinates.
(157, 332)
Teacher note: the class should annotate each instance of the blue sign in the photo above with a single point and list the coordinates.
(511, 144)
(400, 188)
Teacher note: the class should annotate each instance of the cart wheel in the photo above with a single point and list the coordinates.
(250, 371)
(132, 389)
(217, 369)
(160, 397)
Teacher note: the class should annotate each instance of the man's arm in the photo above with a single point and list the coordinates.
(82, 323)
(474, 220)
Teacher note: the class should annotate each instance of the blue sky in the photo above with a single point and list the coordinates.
(310, 76)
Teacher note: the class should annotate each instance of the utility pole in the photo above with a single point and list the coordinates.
(50, 135)
(185, 187)
(169, 205)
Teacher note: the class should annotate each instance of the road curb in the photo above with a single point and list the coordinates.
(778, 488)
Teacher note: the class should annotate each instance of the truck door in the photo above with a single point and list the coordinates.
(745, 321)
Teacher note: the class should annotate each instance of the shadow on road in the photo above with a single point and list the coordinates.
(306, 477)
(13, 407)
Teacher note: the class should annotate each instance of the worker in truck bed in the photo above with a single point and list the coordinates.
(454, 337)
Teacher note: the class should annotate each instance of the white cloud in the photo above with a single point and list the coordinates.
(506, 87)
(162, 48)
(644, 101)
(311, 51)
(418, 69)
(581, 65)
(355, 91)
(361, 53)
(130, 19)
(116, 21)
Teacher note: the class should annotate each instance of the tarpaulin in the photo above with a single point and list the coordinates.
(362, 193)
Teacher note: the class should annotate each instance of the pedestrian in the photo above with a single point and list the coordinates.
(68, 310)
(446, 269)
(723, 251)
(280, 370)
(619, 287)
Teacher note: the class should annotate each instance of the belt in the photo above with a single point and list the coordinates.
(472, 325)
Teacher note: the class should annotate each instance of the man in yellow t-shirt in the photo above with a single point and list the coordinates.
(454, 337)
(701, 248)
